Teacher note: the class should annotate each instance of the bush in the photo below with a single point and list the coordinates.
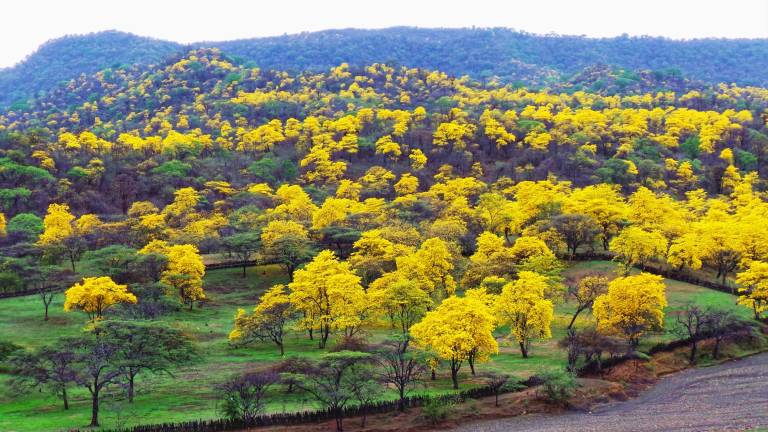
(6, 349)
(435, 410)
(557, 386)
(244, 397)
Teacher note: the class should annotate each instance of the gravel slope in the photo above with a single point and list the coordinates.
(729, 397)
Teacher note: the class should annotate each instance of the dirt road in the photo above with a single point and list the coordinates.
(728, 397)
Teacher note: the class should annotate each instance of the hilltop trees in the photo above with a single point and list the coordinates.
(399, 203)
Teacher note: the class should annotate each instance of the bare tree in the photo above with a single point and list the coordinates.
(333, 381)
(720, 324)
(498, 382)
(591, 345)
(52, 368)
(245, 396)
(289, 370)
(96, 357)
(399, 367)
(147, 348)
(586, 291)
(691, 323)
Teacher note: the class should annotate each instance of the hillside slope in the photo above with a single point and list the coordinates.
(63, 59)
(481, 53)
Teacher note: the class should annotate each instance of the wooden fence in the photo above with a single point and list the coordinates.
(661, 271)
(304, 417)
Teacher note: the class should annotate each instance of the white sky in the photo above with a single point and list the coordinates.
(28, 23)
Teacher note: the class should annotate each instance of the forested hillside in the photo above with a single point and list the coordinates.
(60, 60)
(243, 241)
(202, 114)
(481, 53)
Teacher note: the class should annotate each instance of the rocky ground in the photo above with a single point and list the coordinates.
(732, 396)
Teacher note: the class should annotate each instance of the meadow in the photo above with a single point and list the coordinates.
(190, 392)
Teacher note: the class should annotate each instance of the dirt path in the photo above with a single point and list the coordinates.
(728, 397)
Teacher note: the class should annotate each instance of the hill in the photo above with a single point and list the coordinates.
(512, 56)
(63, 59)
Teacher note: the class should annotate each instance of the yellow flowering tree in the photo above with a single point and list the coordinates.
(753, 292)
(522, 306)
(632, 306)
(459, 329)
(94, 295)
(268, 320)
(329, 296)
(185, 273)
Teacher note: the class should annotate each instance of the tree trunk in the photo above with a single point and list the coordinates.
(434, 375)
(455, 375)
(524, 350)
(325, 331)
(95, 408)
(573, 319)
(716, 349)
(282, 349)
(72, 261)
(244, 267)
(472, 364)
(46, 310)
(131, 378)
(692, 359)
(339, 424)
(64, 397)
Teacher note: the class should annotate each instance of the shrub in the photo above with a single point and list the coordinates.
(557, 386)
(6, 349)
(435, 410)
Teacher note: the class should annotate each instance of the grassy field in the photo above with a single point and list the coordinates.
(189, 393)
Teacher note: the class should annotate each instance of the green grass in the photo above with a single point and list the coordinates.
(189, 393)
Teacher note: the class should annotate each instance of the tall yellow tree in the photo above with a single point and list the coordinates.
(400, 298)
(95, 295)
(329, 295)
(459, 329)
(753, 292)
(632, 306)
(636, 246)
(268, 320)
(185, 273)
(63, 234)
(522, 306)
